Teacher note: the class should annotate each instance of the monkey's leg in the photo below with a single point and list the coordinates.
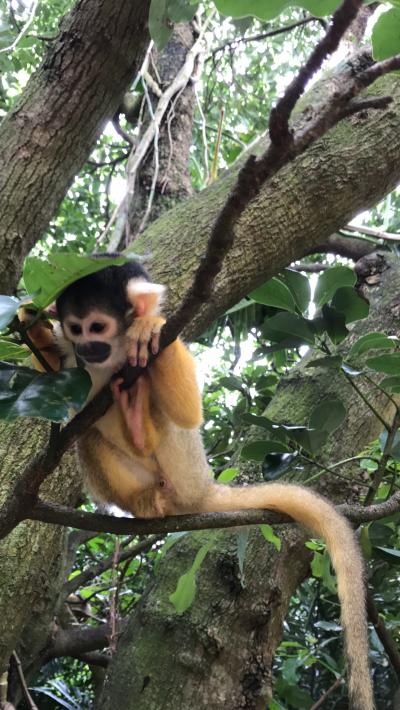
(132, 484)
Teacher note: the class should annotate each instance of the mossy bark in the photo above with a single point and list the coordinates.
(218, 654)
(31, 557)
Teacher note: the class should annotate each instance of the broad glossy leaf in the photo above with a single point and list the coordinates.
(371, 341)
(227, 475)
(26, 393)
(274, 293)
(330, 280)
(328, 415)
(391, 384)
(185, 592)
(310, 439)
(242, 538)
(389, 364)
(8, 309)
(255, 420)
(395, 447)
(181, 10)
(160, 27)
(389, 553)
(299, 286)
(335, 324)
(270, 536)
(268, 10)
(231, 382)
(347, 301)
(386, 34)
(330, 361)
(12, 351)
(257, 450)
(48, 278)
(284, 325)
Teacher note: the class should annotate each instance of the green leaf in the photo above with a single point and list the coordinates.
(26, 393)
(242, 538)
(160, 26)
(321, 567)
(328, 415)
(283, 325)
(331, 361)
(371, 341)
(311, 440)
(330, 280)
(389, 364)
(183, 596)
(255, 420)
(227, 475)
(390, 552)
(347, 301)
(257, 450)
(386, 34)
(12, 351)
(48, 278)
(181, 10)
(270, 536)
(274, 293)
(231, 382)
(8, 309)
(299, 286)
(268, 10)
(335, 324)
(391, 384)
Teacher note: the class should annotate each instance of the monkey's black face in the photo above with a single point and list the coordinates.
(98, 339)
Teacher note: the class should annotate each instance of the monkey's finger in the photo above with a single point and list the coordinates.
(115, 388)
(143, 352)
(133, 346)
(155, 342)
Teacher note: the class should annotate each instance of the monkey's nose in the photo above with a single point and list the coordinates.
(96, 351)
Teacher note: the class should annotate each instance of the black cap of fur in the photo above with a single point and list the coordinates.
(104, 290)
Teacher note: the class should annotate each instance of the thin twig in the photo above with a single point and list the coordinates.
(25, 690)
(373, 232)
(25, 28)
(384, 635)
(262, 35)
(338, 682)
(61, 515)
(386, 453)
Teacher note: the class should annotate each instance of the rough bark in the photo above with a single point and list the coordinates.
(48, 134)
(175, 137)
(31, 558)
(218, 654)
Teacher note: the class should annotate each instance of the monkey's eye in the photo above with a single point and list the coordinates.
(75, 329)
(97, 327)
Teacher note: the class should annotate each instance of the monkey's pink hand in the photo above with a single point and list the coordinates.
(144, 331)
(130, 402)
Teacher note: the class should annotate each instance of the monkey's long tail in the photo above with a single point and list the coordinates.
(314, 512)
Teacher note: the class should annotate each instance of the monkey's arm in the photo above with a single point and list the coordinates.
(42, 336)
(174, 386)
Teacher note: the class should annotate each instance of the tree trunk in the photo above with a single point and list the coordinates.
(218, 654)
(31, 557)
(47, 136)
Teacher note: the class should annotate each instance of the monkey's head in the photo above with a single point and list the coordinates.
(96, 310)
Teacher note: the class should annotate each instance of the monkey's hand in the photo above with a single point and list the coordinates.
(144, 332)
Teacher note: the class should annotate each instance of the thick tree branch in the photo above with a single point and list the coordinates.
(77, 640)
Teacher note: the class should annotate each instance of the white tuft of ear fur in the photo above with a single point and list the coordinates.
(149, 295)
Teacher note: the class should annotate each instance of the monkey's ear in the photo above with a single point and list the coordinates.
(145, 298)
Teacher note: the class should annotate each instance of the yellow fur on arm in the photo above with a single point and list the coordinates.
(174, 383)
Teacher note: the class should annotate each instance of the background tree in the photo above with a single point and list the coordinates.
(84, 74)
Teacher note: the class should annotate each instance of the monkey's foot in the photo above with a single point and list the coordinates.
(144, 332)
(154, 502)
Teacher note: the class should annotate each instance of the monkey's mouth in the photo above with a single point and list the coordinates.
(93, 353)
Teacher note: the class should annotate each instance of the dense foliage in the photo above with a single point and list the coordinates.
(246, 353)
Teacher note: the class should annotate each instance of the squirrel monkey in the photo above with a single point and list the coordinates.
(146, 453)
